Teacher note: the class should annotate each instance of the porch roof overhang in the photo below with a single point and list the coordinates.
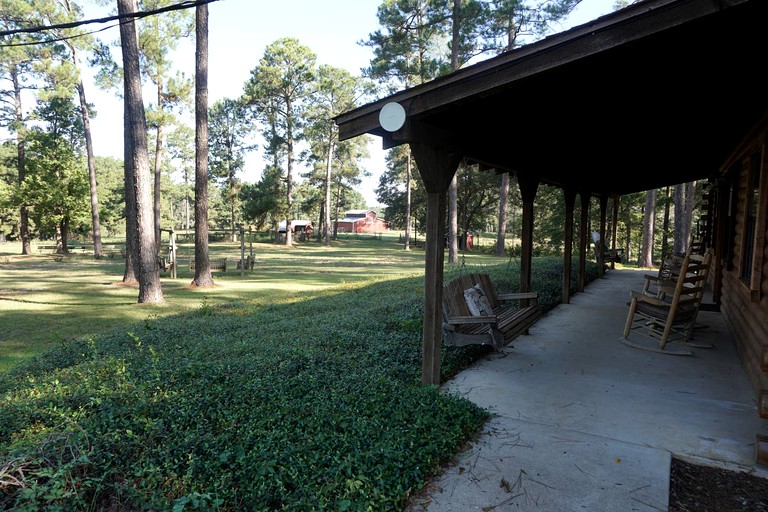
(655, 94)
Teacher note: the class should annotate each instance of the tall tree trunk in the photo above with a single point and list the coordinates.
(92, 183)
(453, 220)
(202, 263)
(26, 245)
(64, 235)
(98, 252)
(408, 178)
(327, 205)
(665, 225)
(157, 195)
(149, 271)
(453, 194)
(57, 239)
(503, 204)
(679, 220)
(690, 189)
(323, 219)
(649, 215)
(186, 200)
(289, 176)
(629, 227)
(131, 272)
(232, 207)
(277, 212)
(337, 208)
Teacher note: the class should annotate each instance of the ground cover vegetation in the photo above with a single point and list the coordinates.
(293, 387)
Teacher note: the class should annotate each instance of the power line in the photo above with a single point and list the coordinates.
(62, 38)
(187, 4)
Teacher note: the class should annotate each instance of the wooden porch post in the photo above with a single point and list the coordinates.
(583, 239)
(433, 288)
(615, 220)
(569, 195)
(528, 187)
(437, 169)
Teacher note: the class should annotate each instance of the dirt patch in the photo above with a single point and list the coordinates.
(699, 488)
(126, 283)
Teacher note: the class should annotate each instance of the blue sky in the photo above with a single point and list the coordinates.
(240, 30)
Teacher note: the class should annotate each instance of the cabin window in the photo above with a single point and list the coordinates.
(729, 240)
(751, 255)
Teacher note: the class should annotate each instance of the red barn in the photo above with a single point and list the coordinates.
(361, 221)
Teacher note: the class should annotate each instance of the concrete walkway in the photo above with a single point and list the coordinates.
(585, 423)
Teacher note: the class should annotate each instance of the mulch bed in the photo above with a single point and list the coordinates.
(699, 488)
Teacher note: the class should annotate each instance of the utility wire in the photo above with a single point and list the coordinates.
(187, 4)
(62, 38)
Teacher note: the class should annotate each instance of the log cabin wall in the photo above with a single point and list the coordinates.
(744, 299)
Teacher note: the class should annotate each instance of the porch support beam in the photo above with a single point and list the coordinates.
(437, 169)
(528, 184)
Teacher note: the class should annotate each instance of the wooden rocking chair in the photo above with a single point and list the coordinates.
(669, 270)
(660, 284)
(670, 266)
(670, 313)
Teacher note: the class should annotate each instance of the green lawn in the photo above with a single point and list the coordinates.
(45, 302)
(293, 387)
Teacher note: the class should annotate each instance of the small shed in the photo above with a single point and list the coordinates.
(302, 228)
(361, 221)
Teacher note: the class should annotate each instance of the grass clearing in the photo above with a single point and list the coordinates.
(46, 302)
(295, 387)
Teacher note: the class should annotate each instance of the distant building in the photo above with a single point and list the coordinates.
(302, 228)
(361, 221)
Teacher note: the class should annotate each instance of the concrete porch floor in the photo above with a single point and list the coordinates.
(585, 423)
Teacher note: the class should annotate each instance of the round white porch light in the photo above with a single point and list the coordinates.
(392, 116)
